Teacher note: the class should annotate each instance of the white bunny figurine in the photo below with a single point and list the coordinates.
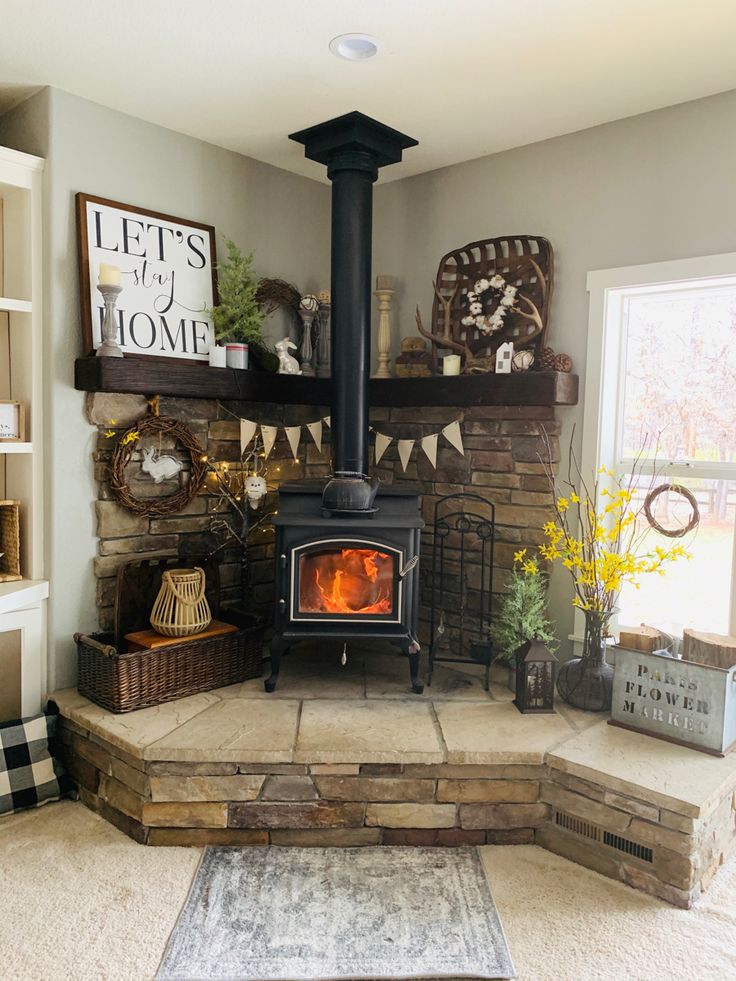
(287, 364)
(160, 467)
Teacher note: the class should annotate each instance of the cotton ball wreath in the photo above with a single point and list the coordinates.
(507, 302)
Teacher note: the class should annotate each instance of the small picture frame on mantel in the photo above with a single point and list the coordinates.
(12, 422)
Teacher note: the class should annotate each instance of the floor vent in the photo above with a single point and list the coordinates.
(585, 829)
(628, 846)
(577, 826)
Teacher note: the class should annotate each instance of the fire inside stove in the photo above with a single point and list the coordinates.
(350, 581)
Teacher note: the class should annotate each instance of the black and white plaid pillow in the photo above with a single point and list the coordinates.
(29, 775)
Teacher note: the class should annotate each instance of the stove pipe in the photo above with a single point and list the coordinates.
(353, 147)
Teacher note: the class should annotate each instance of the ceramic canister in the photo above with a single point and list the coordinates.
(237, 355)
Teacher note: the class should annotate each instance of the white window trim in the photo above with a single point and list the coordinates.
(604, 353)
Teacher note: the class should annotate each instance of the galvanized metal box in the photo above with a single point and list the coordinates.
(681, 701)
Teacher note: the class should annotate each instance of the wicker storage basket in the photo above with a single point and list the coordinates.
(10, 541)
(122, 681)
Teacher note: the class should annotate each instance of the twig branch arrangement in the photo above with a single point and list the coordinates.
(233, 520)
(596, 532)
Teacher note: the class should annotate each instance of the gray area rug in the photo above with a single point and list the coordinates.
(317, 914)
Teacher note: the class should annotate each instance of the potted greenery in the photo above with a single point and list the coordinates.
(522, 615)
(237, 318)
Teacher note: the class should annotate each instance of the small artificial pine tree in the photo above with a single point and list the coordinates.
(237, 317)
(523, 612)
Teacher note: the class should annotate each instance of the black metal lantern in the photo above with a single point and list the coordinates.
(535, 677)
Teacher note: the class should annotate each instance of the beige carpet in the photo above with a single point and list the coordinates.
(81, 902)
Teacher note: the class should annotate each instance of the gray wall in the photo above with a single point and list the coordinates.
(93, 149)
(649, 188)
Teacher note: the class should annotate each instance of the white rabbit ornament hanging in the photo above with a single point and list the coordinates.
(159, 467)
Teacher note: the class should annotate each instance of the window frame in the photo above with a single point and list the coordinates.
(603, 400)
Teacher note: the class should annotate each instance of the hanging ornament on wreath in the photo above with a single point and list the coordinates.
(148, 435)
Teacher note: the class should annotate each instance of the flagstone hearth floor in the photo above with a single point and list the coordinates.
(348, 756)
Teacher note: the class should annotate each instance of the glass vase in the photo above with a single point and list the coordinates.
(586, 682)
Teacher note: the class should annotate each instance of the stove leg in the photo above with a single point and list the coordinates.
(411, 648)
(278, 647)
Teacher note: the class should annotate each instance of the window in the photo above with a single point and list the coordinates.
(661, 377)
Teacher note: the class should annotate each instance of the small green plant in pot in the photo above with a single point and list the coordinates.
(237, 318)
(523, 613)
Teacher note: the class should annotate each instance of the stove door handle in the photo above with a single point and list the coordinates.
(411, 564)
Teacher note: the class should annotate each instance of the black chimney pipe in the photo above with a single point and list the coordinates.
(353, 147)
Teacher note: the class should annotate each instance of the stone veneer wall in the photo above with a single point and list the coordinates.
(628, 836)
(501, 464)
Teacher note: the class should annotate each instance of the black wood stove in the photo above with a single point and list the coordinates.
(347, 552)
(346, 576)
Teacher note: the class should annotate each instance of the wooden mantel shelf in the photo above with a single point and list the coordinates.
(140, 376)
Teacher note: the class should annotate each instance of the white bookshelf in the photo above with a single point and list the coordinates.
(22, 603)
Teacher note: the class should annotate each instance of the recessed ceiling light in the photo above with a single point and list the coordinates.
(355, 47)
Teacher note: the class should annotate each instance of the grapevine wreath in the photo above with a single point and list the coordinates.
(155, 425)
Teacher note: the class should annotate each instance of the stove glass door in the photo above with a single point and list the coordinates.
(352, 580)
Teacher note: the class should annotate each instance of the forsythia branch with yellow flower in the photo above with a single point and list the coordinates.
(597, 538)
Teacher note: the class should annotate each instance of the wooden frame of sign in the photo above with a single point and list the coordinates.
(12, 421)
(168, 271)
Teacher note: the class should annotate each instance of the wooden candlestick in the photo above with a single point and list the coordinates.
(383, 292)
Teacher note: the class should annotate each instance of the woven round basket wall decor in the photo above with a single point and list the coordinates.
(181, 607)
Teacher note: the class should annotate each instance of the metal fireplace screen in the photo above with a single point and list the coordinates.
(460, 582)
(347, 581)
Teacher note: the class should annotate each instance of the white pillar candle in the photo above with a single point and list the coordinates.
(451, 364)
(218, 356)
(109, 275)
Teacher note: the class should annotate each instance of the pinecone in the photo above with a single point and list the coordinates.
(546, 360)
(563, 362)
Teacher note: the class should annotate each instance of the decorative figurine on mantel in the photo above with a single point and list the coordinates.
(522, 360)
(323, 337)
(308, 309)
(108, 284)
(288, 365)
(414, 361)
(504, 357)
(384, 292)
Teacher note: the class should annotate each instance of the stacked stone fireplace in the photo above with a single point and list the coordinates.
(501, 463)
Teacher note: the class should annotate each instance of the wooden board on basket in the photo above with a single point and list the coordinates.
(146, 640)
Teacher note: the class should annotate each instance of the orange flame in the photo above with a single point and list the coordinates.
(352, 581)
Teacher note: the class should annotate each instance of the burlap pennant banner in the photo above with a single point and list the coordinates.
(315, 431)
(293, 435)
(429, 445)
(454, 437)
(268, 433)
(247, 432)
(405, 446)
(382, 444)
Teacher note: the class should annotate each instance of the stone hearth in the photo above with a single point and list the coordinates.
(344, 756)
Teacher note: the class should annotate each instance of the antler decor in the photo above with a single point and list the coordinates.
(445, 339)
(490, 292)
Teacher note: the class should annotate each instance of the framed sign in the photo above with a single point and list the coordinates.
(165, 268)
(12, 422)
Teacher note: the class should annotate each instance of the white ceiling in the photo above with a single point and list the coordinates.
(464, 77)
